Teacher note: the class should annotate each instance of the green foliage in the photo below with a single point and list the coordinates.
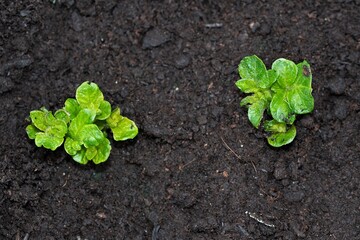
(283, 91)
(82, 124)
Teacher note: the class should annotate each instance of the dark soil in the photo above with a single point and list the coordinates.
(198, 169)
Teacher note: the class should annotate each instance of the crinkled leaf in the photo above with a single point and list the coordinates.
(280, 109)
(72, 107)
(47, 131)
(90, 152)
(304, 76)
(248, 100)
(286, 70)
(80, 156)
(48, 141)
(103, 152)
(84, 117)
(252, 67)
(274, 126)
(31, 131)
(247, 85)
(72, 146)
(301, 101)
(256, 111)
(282, 138)
(90, 135)
(104, 110)
(63, 115)
(122, 127)
(89, 96)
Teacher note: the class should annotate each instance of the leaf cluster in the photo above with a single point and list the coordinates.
(284, 91)
(81, 126)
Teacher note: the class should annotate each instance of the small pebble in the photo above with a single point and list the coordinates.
(154, 38)
(182, 61)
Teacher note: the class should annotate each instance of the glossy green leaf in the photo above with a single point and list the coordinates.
(304, 75)
(301, 101)
(279, 107)
(48, 141)
(103, 152)
(72, 107)
(38, 119)
(104, 110)
(122, 127)
(31, 131)
(274, 126)
(282, 138)
(252, 67)
(90, 135)
(247, 85)
(84, 117)
(286, 70)
(72, 146)
(80, 156)
(89, 96)
(63, 115)
(256, 112)
(90, 153)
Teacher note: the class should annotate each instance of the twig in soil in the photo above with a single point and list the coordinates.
(181, 167)
(258, 219)
(236, 155)
(154, 235)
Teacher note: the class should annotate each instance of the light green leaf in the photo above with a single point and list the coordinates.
(48, 141)
(114, 118)
(84, 117)
(72, 107)
(280, 109)
(103, 152)
(89, 96)
(252, 67)
(247, 85)
(287, 71)
(63, 115)
(90, 135)
(72, 146)
(38, 119)
(80, 156)
(104, 110)
(31, 131)
(248, 100)
(282, 138)
(125, 129)
(301, 101)
(256, 111)
(304, 75)
(275, 126)
(90, 153)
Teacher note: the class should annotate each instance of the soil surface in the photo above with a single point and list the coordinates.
(198, 169)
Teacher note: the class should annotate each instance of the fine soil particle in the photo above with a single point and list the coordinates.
(197, 169)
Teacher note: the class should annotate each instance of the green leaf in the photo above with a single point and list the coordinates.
(90, 135)
(280, 109)
(90, 152)
(247, 101)
(103, 152)
(84, 117)
(275, 126)
(89, 96)
(38, 119)
(256, 111)
(31, 131)
(72, 107)
(301, 100)
(63, 115)
(105, 110)
(47, 131)
(252, 67)
(287, 71)
(282, 138)
(72, 146)
(80, 156)
(304, 76)
(247, 85)
(122, 127)
(48, 141)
